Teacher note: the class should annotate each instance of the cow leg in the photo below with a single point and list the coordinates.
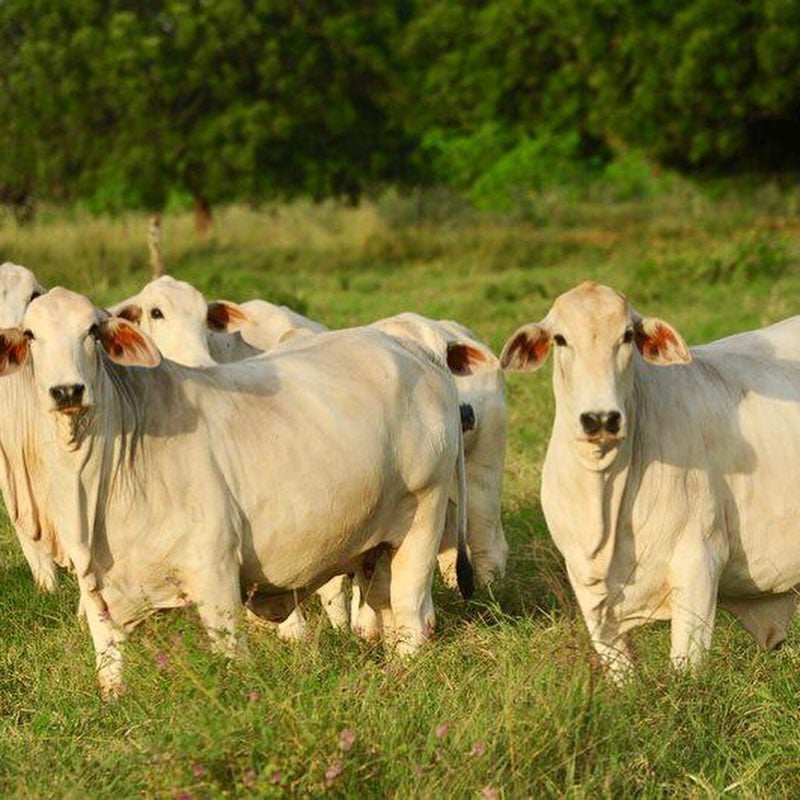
(609, 644)
(355, 605)
(334, 601)
(766, 619)
(293, 628)
(375, 615)
(107, 640)
(694, 583)
(487, 543)
(412, 573)
(219, 602)
(448, 549)
(42, 566)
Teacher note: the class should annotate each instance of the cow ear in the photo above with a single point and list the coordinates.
(294, 333)
(527, 349)
(465, 359)
(13, 350)
(659, 343)
(126, 344)
(131, 312)
(223, 315)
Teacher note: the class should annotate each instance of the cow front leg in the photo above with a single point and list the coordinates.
(694, 585)
(609, 643)
(107, 640)
(42, 566)
(218, 595)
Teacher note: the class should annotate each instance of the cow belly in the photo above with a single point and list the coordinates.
(300, 544)
(765, 556)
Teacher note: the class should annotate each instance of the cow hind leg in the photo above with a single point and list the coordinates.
(334, 600)
(293, 628)
(766, 619)
(448, 549)
(412, 567)
(374, 616)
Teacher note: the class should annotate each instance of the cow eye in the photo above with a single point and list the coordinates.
(28, 334)
(156, 313)
(560, 340)
(627, 337)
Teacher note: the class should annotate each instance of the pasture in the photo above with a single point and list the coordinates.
(507, 700)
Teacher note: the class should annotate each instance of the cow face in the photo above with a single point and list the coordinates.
(63, 333)
(595, 334)
(18, 286)
(175, 316)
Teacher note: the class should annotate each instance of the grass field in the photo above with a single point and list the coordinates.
(506, 701)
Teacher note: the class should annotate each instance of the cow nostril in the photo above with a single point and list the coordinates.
(613, 421)
(591, 422)
(68, 394)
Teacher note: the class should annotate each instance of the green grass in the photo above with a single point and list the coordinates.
(527, 712)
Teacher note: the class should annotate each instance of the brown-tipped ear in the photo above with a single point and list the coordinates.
(13, 350)
(130, 312)
(659, 343)
(225, 316)
(126, 344)
(464, 359)
(527, 349)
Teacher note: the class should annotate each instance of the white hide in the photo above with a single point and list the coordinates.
(260, 479)
(692, 503)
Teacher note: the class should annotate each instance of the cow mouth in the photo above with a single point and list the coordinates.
(604, 438)
(71, 410)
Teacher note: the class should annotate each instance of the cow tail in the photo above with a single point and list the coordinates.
(464, 574)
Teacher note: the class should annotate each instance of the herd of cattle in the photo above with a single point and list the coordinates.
(239, 457)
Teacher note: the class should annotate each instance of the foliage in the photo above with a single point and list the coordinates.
(123, 104)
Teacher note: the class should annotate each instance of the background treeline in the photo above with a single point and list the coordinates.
(123, 104)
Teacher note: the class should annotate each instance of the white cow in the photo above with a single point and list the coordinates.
(180, 321)
(480, 384)
(191, 331)
(264, 325)
(257, 480)
(481, 390)
(20, 460)
(180, 327)
(669, 489)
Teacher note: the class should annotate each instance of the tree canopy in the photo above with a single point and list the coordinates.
(125, 102)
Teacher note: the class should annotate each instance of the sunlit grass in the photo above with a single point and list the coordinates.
(507, 700)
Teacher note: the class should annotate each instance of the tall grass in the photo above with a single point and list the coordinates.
(507, 701)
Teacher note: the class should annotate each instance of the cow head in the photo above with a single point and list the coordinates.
(18, 286)
(177, 318)
(595, 334)
(63, 334)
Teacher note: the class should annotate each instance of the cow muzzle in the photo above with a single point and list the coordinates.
(602, 426)
(68, 398)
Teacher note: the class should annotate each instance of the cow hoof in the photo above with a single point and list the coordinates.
(292, 633)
